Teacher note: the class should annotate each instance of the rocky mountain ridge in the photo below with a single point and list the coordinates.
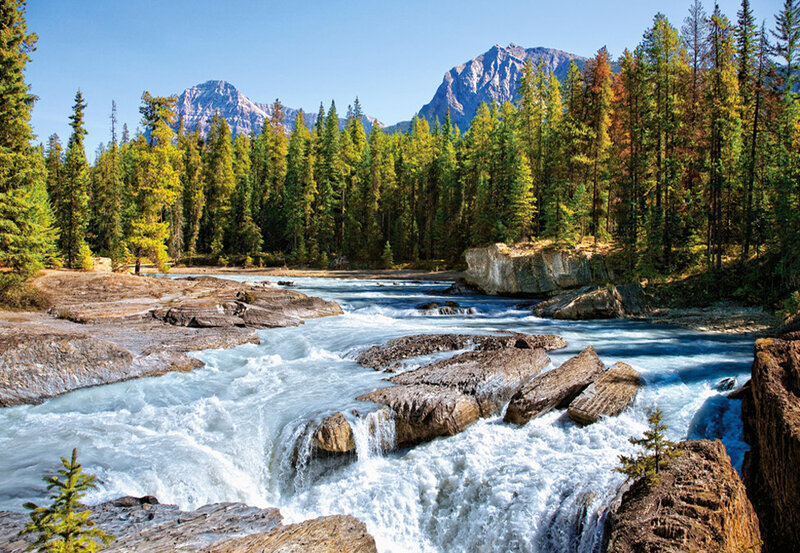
(491, 76)
(198, 104)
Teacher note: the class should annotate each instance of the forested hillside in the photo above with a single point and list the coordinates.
(687, 157)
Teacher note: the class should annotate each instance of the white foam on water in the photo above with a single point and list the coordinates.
(239, 429)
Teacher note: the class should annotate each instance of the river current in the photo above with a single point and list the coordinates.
(234, 430)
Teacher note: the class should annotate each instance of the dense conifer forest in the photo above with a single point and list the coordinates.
(682, 155)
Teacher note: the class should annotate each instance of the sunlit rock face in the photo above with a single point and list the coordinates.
(492, 76)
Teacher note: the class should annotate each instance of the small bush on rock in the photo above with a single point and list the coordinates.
(658, 451)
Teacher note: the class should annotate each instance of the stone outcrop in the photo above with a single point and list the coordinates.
(555, 388)
(449, 308)
(699, 504)
(424, 412)
(35, 366)
(771, 415)
(333, 435)
(491, 377)
(443, 398)
(595, 302)
(460, 287)
(609, 395)
(500, 269)
(106, 327)
(389, 355)
(331, 534)
(142, 525)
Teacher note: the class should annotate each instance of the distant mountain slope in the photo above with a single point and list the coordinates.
(493, 75)
(199, 103)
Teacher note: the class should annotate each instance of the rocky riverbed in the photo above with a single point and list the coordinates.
(104, 328)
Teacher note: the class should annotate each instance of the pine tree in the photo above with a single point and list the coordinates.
(65, 526)
(72, 207)
(387, 257)
(658, 451)
(26, 232)
(107, 195)
(299, 192)
(598, 92)
(244, 234)
(157, 181)
(787, 43)
(193, 193)
(219, 182)
(724, 124)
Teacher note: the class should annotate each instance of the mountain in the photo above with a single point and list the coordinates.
(199, 103)
(493, 75)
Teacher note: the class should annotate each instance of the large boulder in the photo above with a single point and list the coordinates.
(771, 415)
(555, 388)
(143, 525)
(389, 355)
(698, 504)
(609, 395)
(423, 412)
(334, 435)
(595, 302)
(500, 269)
(492, 377)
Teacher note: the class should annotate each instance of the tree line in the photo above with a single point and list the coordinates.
(683, 152)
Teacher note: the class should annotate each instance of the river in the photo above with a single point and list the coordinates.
(229, 431)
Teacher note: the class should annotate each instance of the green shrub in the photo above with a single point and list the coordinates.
(65, 526)
(387, 258)
(790, 306)
(657, 451)
(84, 261)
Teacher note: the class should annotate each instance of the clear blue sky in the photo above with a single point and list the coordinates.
(391, 54)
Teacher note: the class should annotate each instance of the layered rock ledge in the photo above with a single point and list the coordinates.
(554, 389)
(595, 302)
(142, 525)
(106, 328)
(771, 415)
(389, 355)
(699, 504)
(609, 394)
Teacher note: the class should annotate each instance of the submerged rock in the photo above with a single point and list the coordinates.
(392, 352)
(771, 415)
(461, 288)
(500, 269)
(595, 302)
(145, 526)
(699, 504)
(609, 395)
(555, 388)
(492, 377)
(424, 412)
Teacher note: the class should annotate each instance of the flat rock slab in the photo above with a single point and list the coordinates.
(35, 366)
(106, 327)
(142, 525)
(390, 354)
(609, 395)
(424, 412)
(555, 388)
(699, 504)
(492, 377)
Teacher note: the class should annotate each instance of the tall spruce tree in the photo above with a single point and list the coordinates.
(72, 207)
(219, 182)
(26, 232)
(157, 182)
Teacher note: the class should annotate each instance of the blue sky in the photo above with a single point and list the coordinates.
(391, 54)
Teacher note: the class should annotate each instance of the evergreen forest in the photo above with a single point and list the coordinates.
(681, 155)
